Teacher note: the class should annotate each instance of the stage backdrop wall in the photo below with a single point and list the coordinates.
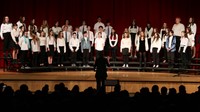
(119, 12)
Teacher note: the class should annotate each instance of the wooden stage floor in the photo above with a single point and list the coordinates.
(129, 80)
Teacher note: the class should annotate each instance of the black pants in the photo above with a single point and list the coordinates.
(133, 38)
(133, 42)
(61, 55)
(113, 53)
(106, 47)
(189, 54)
(35, 59)
(170, 56)
(155, 56)
(79, 54)
(73, 56)
(183, 58)
(164, 52)
(149, 54)
(30, 51)
(6, 41)
(177, 46)
(125, 59)
(42, 54)
(143, 57)
(67, 52)
(92, 53)
(100, 84)
(85, 56)
(24, 57)
(99, 54)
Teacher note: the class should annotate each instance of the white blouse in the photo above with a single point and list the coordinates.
(5, 28)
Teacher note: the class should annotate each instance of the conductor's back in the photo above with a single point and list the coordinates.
(100, 66)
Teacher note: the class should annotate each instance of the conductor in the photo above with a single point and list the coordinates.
(100, 67)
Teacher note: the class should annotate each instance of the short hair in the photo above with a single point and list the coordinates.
(101, 27)
(15, 24)
(171, 31)
(107, 21)
(84, 32)
(99, 17)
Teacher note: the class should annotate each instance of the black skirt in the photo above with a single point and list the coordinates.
(142, 46)
(51, 50)
(13, 45)
(125, 51)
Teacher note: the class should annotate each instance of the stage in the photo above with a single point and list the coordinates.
(132, 81)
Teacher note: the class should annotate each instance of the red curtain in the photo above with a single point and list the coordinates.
(119, 12)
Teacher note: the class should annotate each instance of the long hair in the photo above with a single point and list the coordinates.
(135, 25)
(127, 34)
(31, 23)
(44, 24)
(155, 30)
(60, 35)
(113, 34)
(35, 38)
(166, 33)
(51, 36)
(189, 31)
(155, 38)
(4, 19)
(192, 23)
(142, 34)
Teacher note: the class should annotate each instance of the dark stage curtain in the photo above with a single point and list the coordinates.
(119, 12)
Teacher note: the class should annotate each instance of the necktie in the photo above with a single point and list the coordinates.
(108, 32)
(86, 40)
(83, 29)
(89, 37)
(25, 40)
(66, 36)
(77, 35)
(89, 34)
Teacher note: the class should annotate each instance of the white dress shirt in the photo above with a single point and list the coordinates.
(178, 28)
(14, 33)
(96, 26)
(156, 44)
(125, 43)
(35, 46)
(5, 28)
(91, 37)
(61, 43)
(68, 34)
(74, 42)
(56, 30)
(99, 44)
(50, 41)
(83, 28)
(43, 41)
